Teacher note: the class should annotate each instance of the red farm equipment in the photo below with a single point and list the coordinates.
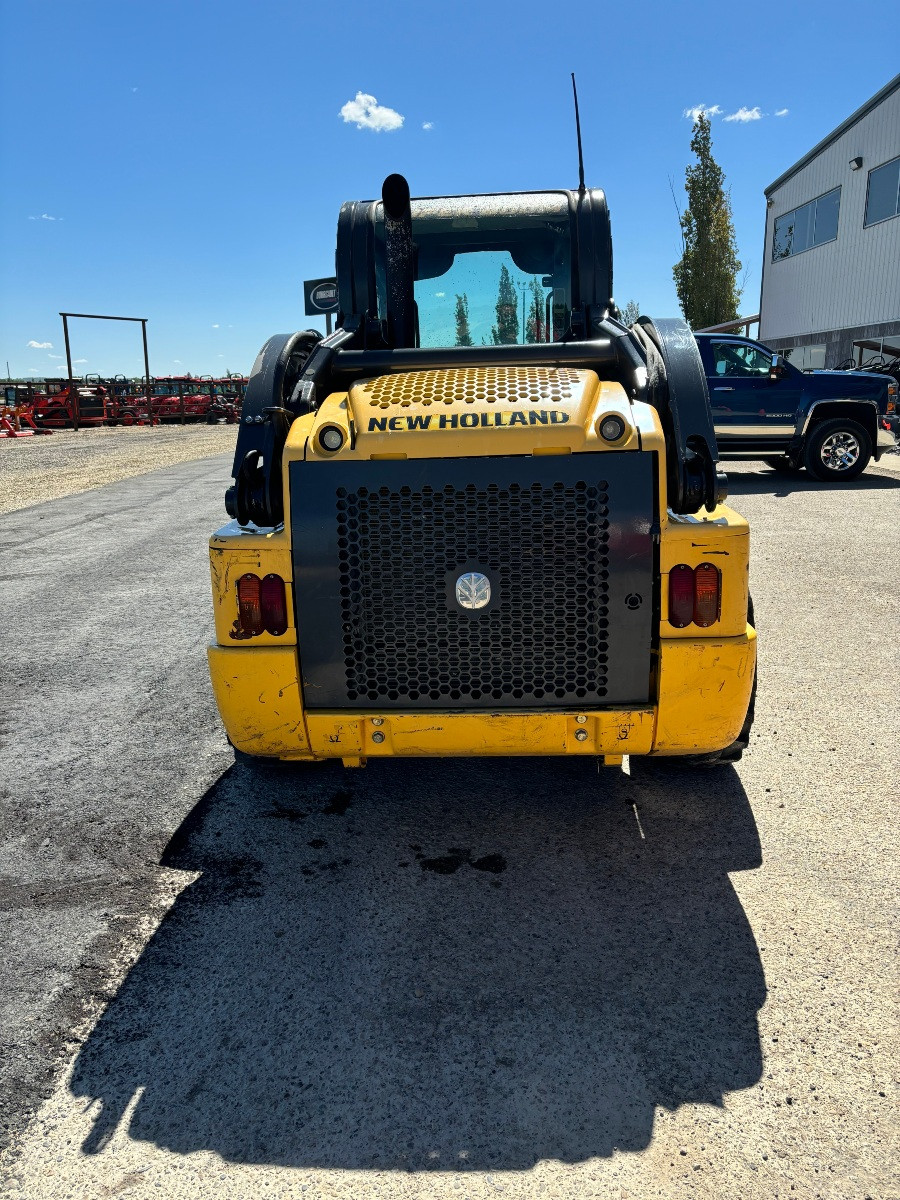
(55, 408)
(16, 411)
(186, 399)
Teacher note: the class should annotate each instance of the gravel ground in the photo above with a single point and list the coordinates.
(445, 978)
(35, 469)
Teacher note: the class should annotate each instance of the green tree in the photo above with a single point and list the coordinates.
(706, 275)
(506, 331)
(463, 334)
(630, 313)
(535, 326)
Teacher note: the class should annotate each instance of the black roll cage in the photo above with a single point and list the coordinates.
(656, 361)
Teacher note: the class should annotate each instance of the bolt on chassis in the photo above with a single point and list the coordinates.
(483, 517)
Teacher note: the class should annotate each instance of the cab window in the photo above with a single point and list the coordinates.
(741, 360)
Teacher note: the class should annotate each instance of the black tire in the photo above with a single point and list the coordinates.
(733, 753)
(841, 442)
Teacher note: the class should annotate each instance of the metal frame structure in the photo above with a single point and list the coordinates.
(99, 317)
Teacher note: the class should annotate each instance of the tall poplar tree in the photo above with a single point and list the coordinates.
(506, 331)
(706, 275)
(535, 328)
(463, 334)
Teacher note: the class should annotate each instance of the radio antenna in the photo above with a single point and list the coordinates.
(578, 134)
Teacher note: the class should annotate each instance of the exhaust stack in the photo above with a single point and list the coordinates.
(399, 262)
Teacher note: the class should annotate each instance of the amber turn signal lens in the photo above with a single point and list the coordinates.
(681, 596)
(707, 583)
(249, 605)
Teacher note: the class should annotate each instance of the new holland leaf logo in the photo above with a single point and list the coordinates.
(469, 420)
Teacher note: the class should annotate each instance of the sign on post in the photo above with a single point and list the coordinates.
(320, 296)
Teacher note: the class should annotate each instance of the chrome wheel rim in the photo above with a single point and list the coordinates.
(840, 451)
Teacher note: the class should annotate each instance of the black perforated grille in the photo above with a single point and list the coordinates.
(542, 639)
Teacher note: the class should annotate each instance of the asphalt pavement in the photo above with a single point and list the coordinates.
(440, 977)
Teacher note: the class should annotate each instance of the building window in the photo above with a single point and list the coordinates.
(810, 225)
(876, 351)
(806, 358)
(883, 198)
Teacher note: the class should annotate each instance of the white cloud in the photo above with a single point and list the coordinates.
(220, 356)
(80, 360)
(440, 295)
(45, 217)
(366, 113)
(215, 326)
(54, 356)
(428, 124)
(745, 114)
(782, 112)
(40, 345)
(710, 110)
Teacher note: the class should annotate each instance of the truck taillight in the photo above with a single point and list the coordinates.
(681, 596)
(694, 595)
(262, 605)
(706, 595)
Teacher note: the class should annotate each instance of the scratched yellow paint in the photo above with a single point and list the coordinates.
(704, 692)
(341, 734)
(258, 694)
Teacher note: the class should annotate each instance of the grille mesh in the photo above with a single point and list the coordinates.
(468, 384)
(543, 639)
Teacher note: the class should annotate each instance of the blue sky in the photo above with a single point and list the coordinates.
(193, 158)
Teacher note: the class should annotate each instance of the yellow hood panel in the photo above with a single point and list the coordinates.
(530, 407)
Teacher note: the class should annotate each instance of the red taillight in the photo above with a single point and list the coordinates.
(694, 595)
(706, 595)
(249, 606)
(274, 605)
(681, 596)
(262, 605)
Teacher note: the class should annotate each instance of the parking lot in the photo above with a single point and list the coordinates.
(441, 978)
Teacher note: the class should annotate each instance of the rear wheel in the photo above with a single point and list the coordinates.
(128, 417)
(837, 450)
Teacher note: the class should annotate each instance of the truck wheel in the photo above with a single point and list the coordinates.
(837, 450)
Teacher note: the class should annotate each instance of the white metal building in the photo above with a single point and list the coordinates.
(831, 265)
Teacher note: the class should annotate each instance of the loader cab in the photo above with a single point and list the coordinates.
(488, 270)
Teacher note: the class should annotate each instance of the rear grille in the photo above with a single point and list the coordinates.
(566, 545)
(465, 385)
(542, 547)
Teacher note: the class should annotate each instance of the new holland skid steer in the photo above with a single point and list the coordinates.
(459, 529)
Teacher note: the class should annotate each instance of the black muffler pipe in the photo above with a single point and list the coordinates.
(399, 263)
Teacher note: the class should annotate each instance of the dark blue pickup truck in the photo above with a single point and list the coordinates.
(831, 422)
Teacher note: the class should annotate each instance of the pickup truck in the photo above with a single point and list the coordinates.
(831, 422)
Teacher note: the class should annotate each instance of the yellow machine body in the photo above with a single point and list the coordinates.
(702, 678)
